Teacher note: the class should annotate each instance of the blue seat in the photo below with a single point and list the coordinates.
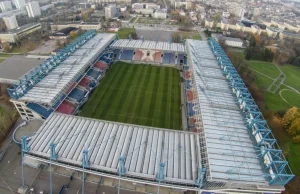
(187, 84)
(186, 67)
(94, 74)
(190, 107)
(41, 110)
(172, 58)
(180, 57)
(127, 55)
(166, 58)
(77, 94)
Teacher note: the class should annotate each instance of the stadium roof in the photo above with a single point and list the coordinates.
(147, 44)
(50, 87)
(230, 152)
(144, 148)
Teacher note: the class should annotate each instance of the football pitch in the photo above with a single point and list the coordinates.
(137, 94)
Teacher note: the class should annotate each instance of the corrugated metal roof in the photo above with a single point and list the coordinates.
(143, 147)
(58, 80)
(230, 151)
(151, 45)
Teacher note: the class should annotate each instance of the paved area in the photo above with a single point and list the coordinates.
(30, 127)
(45, 48)
(15, 67)
(150, 34)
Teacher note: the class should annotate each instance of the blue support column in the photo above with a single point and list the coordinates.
(199, 180)
(85, 163)
(53, 156)
(24, 149)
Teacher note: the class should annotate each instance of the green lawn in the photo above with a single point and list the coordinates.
(137, 94)
(292, 97)
(292, 75)
(124, 32)
(262, 81)
(190, 35)
(1, 60)
(147, 20)
(264, 67)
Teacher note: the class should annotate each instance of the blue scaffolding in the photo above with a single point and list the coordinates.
(274, 164)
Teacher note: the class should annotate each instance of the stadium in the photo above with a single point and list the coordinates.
(174, 116)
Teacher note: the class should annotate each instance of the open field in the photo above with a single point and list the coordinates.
(190, 35)
(292, 75)
(124, 32)
(137, 94)
(147, 20)
(264, 67)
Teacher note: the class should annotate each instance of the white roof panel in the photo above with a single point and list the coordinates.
(143, 147)
(51, 87)
(230, 151)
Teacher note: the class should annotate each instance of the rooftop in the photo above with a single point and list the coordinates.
(21, 28)
(55, 82)
(147, 44)
(230, 151)
(144, 148)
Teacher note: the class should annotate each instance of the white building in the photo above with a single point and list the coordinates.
(20, 4)
(240, 12)
(233, 42)
(145, 6)
(110, 11)
(5, 6)
(33, 9)
(11, 22)
(160, 13)
(46, 7)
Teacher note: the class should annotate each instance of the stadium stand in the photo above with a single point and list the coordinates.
(85, 83)
(188, 84)
(180, 59)
(41, 110)
(126, 55)
(172, 58)
(70, 88)
(166, 58)
(101, 65)
(93, 73)
(77, 94)
(138, 55)
(59, 101)
(66, 107)
(191, 111)
(169, 58)
(157, 57)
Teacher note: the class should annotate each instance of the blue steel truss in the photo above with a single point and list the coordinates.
(37, 74)
(275, 166)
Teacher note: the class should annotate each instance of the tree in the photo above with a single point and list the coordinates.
(73, 34)
(134, 35)
(295, 127)
(6, 47)
(289, 117)
(176, 37)
(296, 139)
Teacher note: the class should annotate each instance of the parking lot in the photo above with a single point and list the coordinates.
(45, 48)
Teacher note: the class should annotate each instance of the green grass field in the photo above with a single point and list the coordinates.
(264, 67)
(292, 74)
(137, 94)
(124, 32)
